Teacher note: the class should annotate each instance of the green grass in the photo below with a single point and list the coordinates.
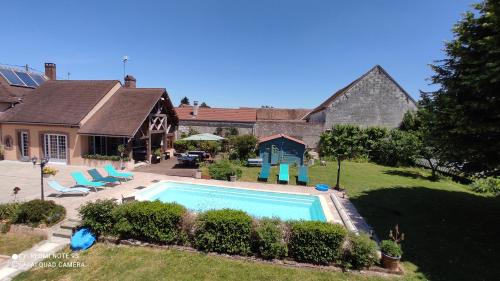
(451, 232)
(14, 243)
(110, 262)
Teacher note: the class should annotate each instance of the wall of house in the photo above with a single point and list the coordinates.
(77, 145)
(373, 101)
(289, 151)
(211, 126)
(307, 132)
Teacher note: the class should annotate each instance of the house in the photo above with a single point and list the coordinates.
(282, 148)
(69, 121)
(374, 99)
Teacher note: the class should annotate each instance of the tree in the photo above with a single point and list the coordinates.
(466, 108)
(243, 146)
(204, 104)
(342, 142)
(399, 148)
(185, 101)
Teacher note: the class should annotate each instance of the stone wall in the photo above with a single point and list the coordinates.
(375, 100)
(307, 132)
(211, 126)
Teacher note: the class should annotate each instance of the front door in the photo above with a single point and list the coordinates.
(56, 148)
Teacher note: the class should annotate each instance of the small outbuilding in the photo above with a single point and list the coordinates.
(281, 148)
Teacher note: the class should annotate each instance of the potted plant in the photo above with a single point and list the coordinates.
(391, 254)
(156, 156)
(233, 176)
(391, 249)
(2, 152)
(49, 171)
(121, 150)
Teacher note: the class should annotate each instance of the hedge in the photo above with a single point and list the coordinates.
(150, 221)
(98, 216)
(270, 239)
(360, 252)
(316, 242)
(105, 157)
(36, 212)
(224, 231)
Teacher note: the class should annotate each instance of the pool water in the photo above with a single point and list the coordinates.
(198, 198)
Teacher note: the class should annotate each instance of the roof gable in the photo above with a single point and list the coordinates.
(328, 102)
(277, 136)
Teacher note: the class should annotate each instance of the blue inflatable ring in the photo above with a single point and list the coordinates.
(322, 187)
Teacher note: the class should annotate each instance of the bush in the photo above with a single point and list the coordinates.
(155, 221)
(98, 216)
(316, 242)
(8, 211)
(270, 239)
(221, 170)
(391, 248)
(360, 252)
(223, 231)
(486, 185)
(399, 148)
(37, 211)
(105, 157)
(243, 146)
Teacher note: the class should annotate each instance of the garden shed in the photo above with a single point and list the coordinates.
(281, 148)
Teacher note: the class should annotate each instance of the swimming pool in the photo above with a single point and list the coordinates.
(198, 198)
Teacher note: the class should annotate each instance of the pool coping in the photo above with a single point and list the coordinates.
(327, 210)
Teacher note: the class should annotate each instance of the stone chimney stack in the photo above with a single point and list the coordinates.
(130, 81)
(50, 70)
(195, 108)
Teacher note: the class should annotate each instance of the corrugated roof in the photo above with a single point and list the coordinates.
(185, 113)
(63, 102)
(123, 113)
(277, 136)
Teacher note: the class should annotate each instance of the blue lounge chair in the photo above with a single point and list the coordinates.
(284, 174)
(82, 181)
(265, 170)
(114, 173)
(94, 173)
(66, 190)
(303, 178)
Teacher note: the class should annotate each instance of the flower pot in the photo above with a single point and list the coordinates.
(1, 157)
(206, 177)
(233, 178)
(197, 175)
(47, 175)
(389, 262)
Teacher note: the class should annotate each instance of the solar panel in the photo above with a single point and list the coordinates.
(26, 79)
(11, 77)
(38, 78)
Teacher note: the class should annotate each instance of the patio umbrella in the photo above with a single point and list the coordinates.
(204, 137)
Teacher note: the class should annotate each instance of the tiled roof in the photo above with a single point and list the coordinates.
(185, 113)
(11, 94)
(62, 102)
(268, 138)
(123, 113)
(281, 113)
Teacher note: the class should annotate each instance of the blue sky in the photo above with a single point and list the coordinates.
(233, 53)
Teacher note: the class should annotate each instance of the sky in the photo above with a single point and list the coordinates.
(232, 53)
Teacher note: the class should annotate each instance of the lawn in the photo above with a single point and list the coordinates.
(14, 243)
(109, 262)
(451, 233)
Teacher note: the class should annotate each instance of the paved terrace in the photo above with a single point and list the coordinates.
(27, 177)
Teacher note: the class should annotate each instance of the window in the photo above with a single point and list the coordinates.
(105, 145)
(24, 144)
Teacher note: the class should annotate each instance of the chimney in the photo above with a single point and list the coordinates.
(195, 108)
(50, 70)
(130, 81)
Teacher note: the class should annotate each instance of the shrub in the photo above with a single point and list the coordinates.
(243, 146)
(8, 211)
(223, 231)
(37, 211)
(98, 216)
(316, 242)
(270, 239)
(150, 221)
(486, 185)
(399, 148)
(391, 248)
(221, 170)
(360, 252)
(105, 157)
(49, 171)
